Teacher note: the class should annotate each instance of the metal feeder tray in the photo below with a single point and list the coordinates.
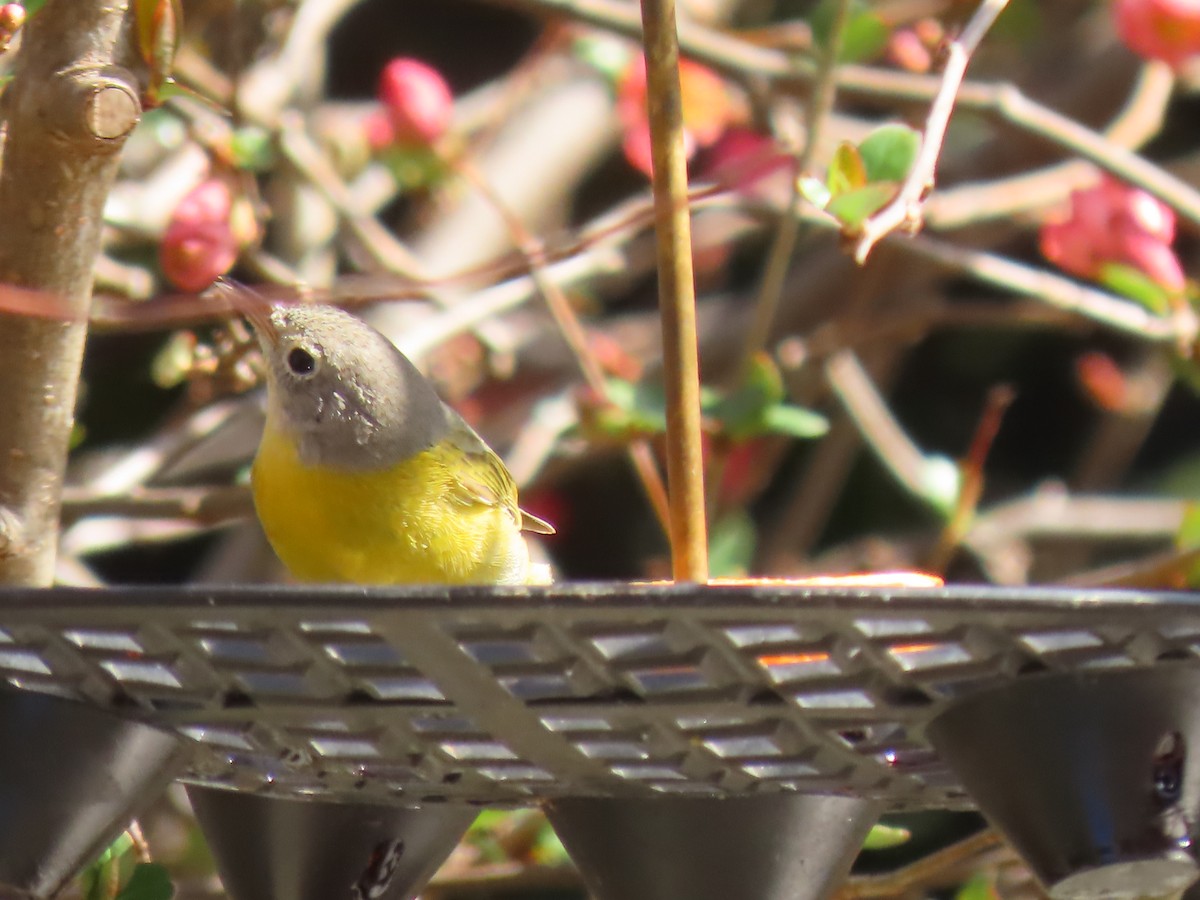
(511, 697)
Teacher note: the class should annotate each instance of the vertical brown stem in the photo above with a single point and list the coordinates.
(69, 108)
(677, 298)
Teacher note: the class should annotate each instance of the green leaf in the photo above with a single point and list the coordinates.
(740, 413)
(149, 881)
(1136, 285)
(252, 148)
(158, 23)
(117, 848)
(414, 167)
(865, 34)
(731, 545)
(884, 837)
(32, 8)
(171, 88)
(855, 207)
(979, 886)
(814, 191)
(846, 170)
(794, 421)
(644, 404)
(603, 52)
(888, 152)
(865, 37)
(1188, 535)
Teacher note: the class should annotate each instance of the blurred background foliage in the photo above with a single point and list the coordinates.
(921, 412)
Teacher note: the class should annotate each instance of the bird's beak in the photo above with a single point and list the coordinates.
(258, 314)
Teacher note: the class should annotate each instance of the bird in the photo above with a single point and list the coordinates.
(364, 475)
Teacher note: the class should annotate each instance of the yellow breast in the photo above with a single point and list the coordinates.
(394, 526)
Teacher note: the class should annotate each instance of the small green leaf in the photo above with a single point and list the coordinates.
(172, 88)
(888, 152)
(855, 207)
(814, 191)
(644, 404)
(117, 848)
(414, 167)
(1136, 285)
(846, 170)
(794, 421)
(1188, 535)
(884, 837)
(980, 886)
(603, 52)
(252, 148)
(731, 545)
(158, 23)
(149, 881)
(32, 8)
(864, 36)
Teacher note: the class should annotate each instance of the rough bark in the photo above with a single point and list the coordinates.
(72, 101)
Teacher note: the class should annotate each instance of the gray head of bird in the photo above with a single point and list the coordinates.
(342, 391)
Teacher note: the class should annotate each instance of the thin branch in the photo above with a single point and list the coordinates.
(821, 102)
(676, 293)
(905, 208)
(1139, 121)
(1180, 328)
(875, 422)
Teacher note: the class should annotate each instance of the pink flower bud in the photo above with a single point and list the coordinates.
(1168, 30)
(417, 99)
(906, 49)
(199, 244)
(12, 17)
(1112, 222)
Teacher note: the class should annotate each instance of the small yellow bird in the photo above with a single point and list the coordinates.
(364, 475)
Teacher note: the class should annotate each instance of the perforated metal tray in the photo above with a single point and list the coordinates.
(509, 696)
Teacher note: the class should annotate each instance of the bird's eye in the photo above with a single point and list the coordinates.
(301, 362)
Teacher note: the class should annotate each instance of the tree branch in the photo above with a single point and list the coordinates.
(71, 103)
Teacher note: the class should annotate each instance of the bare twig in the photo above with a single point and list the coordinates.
(876, 424)
(971, 468)
(1180, 328)
(821, 101)
(905, 208)
(677, 300)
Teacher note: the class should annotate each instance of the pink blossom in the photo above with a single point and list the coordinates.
(1111, 223)
(417, 99)
(200, 243)
(1168, 30)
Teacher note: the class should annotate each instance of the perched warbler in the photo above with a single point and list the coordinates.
(364, 475)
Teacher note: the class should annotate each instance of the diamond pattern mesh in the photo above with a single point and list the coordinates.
(511, 696)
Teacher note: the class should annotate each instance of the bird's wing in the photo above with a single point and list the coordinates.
(485, 479)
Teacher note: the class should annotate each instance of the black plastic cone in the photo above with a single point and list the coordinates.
(776, 847)
(273, 848)
(1094, 777)
(71, 778)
